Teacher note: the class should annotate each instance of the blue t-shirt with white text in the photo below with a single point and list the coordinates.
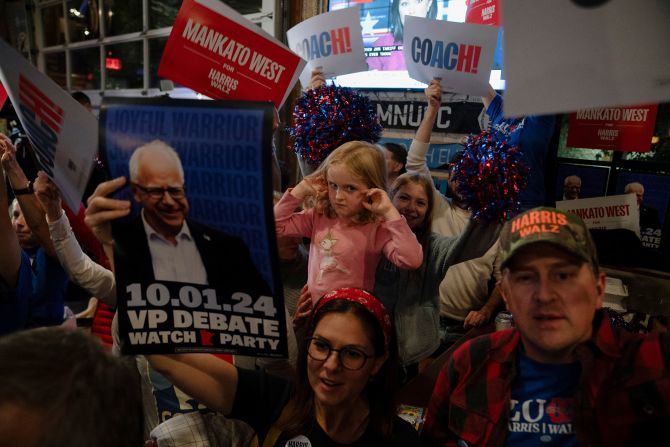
(542, 404)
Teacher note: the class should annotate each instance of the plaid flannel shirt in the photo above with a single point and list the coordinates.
(623, 397)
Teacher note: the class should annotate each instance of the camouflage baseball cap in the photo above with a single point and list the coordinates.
(549, 225)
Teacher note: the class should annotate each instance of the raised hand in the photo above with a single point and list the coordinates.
(377, 201)
(434, 93)
(11, 166)
(102, 210)
(7, 152)
(48, 196)
(317, 79)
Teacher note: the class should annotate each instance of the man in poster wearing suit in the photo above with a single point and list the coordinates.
(163, 244)
(648, 216)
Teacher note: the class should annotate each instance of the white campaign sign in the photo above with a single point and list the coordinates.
(331, 41)
(63, 134)
(460, 54)
(561, 57)
(607, 213)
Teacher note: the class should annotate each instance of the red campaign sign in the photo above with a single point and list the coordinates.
(483, 12)
(3, 95)
(626, 129)
(217, 56)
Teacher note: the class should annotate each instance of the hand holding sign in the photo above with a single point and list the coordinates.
(434, 93)
(102, 210)
(317, 79)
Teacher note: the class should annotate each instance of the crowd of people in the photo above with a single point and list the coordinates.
(393, 274)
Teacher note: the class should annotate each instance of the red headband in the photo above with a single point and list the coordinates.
(365, 299)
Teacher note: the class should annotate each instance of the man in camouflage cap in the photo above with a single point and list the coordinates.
(563, 375)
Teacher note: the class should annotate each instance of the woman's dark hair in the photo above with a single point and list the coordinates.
(380, 391)
(396, 24)
(398, 153)
(423, 232)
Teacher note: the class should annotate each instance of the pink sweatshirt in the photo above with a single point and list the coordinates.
(343, 254)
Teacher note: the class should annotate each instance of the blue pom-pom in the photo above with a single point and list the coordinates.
(329, 116)
(491, 174)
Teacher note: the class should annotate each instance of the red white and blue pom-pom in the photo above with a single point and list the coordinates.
(491, 176)
(329, 116)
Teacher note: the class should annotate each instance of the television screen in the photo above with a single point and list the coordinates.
(382, 21)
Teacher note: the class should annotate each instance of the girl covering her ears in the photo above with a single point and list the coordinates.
(353, 223)
(345, 387)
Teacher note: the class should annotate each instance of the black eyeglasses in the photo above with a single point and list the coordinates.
(158, 193)
(350, 358)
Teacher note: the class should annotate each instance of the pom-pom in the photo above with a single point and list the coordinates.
(329, 116)
(491, 176)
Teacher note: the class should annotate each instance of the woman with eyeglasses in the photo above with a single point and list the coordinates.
(344, 392)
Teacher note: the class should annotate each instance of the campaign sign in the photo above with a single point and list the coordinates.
(627, 129)
(459, 54)
(483, 12)
(566, 56)
(215, 51)
(63, 134)
(605, 213)
(331, 41)
(3, 95)
(196, 263)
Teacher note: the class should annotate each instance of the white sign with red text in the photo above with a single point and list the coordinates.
(459, 54)
(332, 41)
(606, 213)
(62, 133)
(215, 51)
(563, 56)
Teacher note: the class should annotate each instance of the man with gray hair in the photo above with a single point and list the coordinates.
(163, 244)
(32, 282)
(648, 216)
(572, 186)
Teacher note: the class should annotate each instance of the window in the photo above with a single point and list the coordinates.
(54, 64)
(85, 69)
(83, 23)
(124, 66)
(115, 44)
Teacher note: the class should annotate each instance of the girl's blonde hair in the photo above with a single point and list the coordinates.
(367, 164)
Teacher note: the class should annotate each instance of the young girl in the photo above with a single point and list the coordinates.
(353, 223)
(412, 298)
